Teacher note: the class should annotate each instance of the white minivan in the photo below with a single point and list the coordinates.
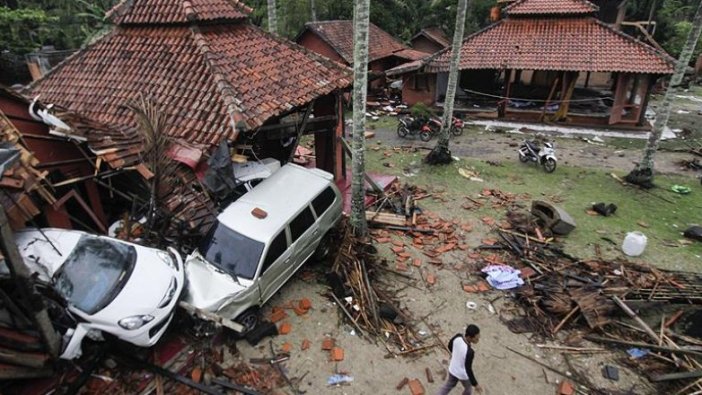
(261, 240)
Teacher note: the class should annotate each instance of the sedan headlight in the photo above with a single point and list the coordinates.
(135, 322)
(168, 260)
(170, 293)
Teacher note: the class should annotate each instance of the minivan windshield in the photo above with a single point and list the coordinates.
(232, 252)
(94, 273)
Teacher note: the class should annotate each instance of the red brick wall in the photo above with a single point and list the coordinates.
(314, 43)
(412, 96)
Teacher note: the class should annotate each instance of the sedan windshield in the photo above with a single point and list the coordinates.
(232, 252)
(94, 273)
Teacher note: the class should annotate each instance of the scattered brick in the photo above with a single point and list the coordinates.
(470, 288)
(286, 347)
(382, 240)
(278, 314)
(404, 255)
(196, 375)
(483, 286)
(566, 388)
(398, 250)
(398, 243)
(305, 304)
(285, 328)
(401, 267)
(337, 354)
(431, 279)
(328, 344)
(430, 377)
(528, 272)
(417, 262)
(402, 383)
(416, 387)
(305, 345)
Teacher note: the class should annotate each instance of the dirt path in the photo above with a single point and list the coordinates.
(479, 144)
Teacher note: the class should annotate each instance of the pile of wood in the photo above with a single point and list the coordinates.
(373, 312)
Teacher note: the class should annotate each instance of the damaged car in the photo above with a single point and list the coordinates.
(260, 241)
(108, 286)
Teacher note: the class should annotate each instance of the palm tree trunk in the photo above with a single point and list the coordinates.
(441, 153)
(643, 173)
(361, 18)
(272, 18)
(313, 11)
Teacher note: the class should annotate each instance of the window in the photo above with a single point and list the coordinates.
(231, 251)
(301, 223)
(420, 82)
(277, 248)
(95, 272)
(322, 202)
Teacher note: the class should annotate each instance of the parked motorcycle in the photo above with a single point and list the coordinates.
(545, 156)
(412, 126)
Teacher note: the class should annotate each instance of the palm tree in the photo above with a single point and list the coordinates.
(313, 11)
(441, 153)
(272, 18)
(643, 173)
(361, 19)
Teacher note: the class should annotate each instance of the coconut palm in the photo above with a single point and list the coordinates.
(441, 153)
(643, 173)
(272, 18)
(361, 19)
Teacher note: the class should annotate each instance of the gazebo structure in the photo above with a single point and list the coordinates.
(548, 60)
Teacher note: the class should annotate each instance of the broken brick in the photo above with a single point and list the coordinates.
(278, 314)
(402, 383)
(285, 328)
(398, 250)
(566, 388)
(299, 310)
(305, 345)
(196, 375)
(527, 272)
(401, 267)
(327, 344)
(382, 240)
(398, 243)
(337, 354)
(431, 279)
(483, 286)
(305, 304)
(416, 387)
(286, 347)
(470, 288)
(417, 262)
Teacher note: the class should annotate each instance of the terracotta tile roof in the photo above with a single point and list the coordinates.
(435, 34)
(410, 54)
(176, 11)
(339, 34)
(566, 44)
(550, 7)
(206, 79)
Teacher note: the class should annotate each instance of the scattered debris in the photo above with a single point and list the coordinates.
(604, 209)
(553, 217)
(694, 233)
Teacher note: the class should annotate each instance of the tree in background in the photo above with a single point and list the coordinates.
(643, 173)
(441, 153)
(360, 87)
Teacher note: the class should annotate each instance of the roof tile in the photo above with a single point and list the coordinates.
(566, 44)
(178, 11)
(550, 7)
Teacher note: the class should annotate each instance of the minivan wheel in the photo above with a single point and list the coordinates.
(323, 249)
(249, 320)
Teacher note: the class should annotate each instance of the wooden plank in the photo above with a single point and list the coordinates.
(676, 376)
(653, 347)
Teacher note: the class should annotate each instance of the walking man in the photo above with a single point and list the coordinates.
(461, 366)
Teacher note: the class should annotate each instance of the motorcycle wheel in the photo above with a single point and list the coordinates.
(456, 131)
(425, 136)
(523, 158)
(402, 130)
(549, 165)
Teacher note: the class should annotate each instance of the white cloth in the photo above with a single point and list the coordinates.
(457, 367)
(503, 276)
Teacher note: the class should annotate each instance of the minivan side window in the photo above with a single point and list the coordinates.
(322, 202)
(301, 223)
(277, 248)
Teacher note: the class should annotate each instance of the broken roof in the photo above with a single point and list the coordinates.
(550, 7)
(434, 34)
(211, 79)
(339, 35)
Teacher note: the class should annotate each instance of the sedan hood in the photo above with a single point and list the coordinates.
(208, 287)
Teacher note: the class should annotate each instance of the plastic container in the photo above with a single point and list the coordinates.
(634, 243)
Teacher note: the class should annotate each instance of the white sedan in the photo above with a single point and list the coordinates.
(109, 285)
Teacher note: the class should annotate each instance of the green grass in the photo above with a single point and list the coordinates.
(578, 189)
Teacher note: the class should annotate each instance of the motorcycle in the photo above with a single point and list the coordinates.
(412, 126)
(545, 156)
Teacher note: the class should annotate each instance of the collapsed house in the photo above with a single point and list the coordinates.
(545, 61)
(334, 39)
(214, 75)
